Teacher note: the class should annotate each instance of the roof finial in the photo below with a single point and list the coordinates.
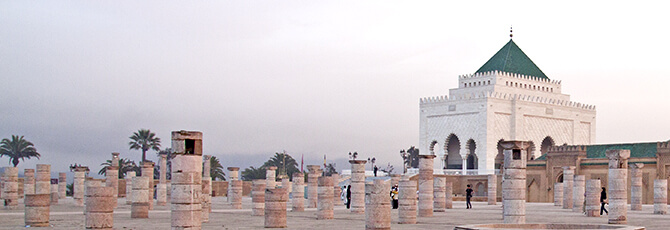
(510, 32)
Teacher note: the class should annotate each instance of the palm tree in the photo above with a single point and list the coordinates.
(285, 164)
(125, 166)
(252, 173)
(216, 169)
(18, 149)
(144, 139)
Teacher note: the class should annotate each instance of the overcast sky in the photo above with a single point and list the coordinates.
(309, 77)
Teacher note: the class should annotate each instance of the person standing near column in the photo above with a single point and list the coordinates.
(468, 195)
(603, 201)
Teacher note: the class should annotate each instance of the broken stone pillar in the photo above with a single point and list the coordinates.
(449, 197)
(426, 185)
(636, 186)
(337, 200)
(270, 177)
(43, 179)
(258, 197)
(357, 202)
(29, 181)
(186, 208)
(407, 201)
(78, 185)
(492, 188)
(54, 191)
(558, 194)
(62, 185)
(140, 206)
(90, 183)
(377, 205)
(324, 210)
(439, 194)
(100, 207)
(112, 180)
(206, 188)
(514, 182)
(147, 170)
(37, 210)
(129, 186)
(313, 185)
(275, 207)
(578, 193)
(236, 194)
(661, 196)
(233, 174)
(568, 184)
(161, 187)
(592, 198)
(10, 188)
(115, 160)
(617, 176)
(298, 192)
(286, 183)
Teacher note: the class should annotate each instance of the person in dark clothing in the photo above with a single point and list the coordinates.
(394, 196)
(603, 201)
(374, 170)
(348, 196)
(468, 195)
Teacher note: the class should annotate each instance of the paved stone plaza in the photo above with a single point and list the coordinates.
(65, 215)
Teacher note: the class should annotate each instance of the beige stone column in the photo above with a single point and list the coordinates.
(568, 185)
(617, 177)
(357, 202)
(43, 179)
(140, 206)
(147, 169)
(439, 194)
(578, 193)
(636, 186)
(78, 186)
(112, 180)
(492, 188)
(206, 188)
(449, 195)
(258, 197)
(337, 200)
(161, 187)
(100, 208)
(407, 201)
(10, 188)
(236, 194)
(186, 208)
(286, 183)
(54, 191)
(377, 205)
(558, 194)
(514, 182)
(233, 174)
(298, 204)
(592, 198)
(661, 196)
(90, 183)
(313, 185)
(37, 210)
(29, 181)
(62, 185)
(129, 186)
(115, 160)
(271, 177)
(275, 207)
(426, 185)
(324, 209)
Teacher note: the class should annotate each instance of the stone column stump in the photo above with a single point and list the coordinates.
(258, 197)
(271, 177)
(578, 193)
(377, 205)
(661, 196)
(161, 187)
(236, 195)
(147, 170)
(233, 174)
(439, 194)
(514, 182)
(43, 179)
(99, 208)
(29, 181)
(275, 208)
(592, 198)
(426, 185)
(62, 185)
(187, 171)
(558, 194)
(407, 201)
(617, 176)
(54, 191)
(337, 200)
(449, 195)
(636, 186)
(10, 188)
(298, 204)
(140, 195)
(79, 186)
(568, 185)
(492, 188)
(37, 210)
(324, 209)
(357, 202)
(206, 188)
(112, 180)
(129, 186)
(313, 185)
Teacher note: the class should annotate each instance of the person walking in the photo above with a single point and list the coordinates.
(468, 195)
(603, 201)
(348, 196)
(374, 170)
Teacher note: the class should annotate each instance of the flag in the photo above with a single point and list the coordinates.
(301, 161)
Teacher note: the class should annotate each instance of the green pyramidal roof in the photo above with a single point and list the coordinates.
(511, 59)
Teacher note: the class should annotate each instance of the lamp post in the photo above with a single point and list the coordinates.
(372, 162)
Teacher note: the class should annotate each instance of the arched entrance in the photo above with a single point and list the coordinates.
(472, 156)
(432, 147)
(547, 143)
(453, 147)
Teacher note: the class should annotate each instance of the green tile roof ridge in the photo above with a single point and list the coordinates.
(646, 149)
(510, 58)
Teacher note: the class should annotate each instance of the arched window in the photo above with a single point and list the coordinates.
(489, 82)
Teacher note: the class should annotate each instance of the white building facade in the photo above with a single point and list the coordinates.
(501, 101)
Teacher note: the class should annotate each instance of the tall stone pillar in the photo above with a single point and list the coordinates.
(426, 185)
(206, 188)
(99, 209)
(186, 208)
(258, 197)
(324, 209)
(558, 194)
(617, 187)
(439, 195)
(286, 183)
(636, 186)
(112, 180)
(43, 179)
(661, 196)
(62, 185)
(337, 200)
(298, 193)
(140, 195)
(449, 195)
(78, 186)
(275, 208)
(592, 198)
(54, 191)
(568, 184)
(10, 188)
(129, 186)
(236, 194)
(313, 185)
(578, 193)
(514, 182)
(271, 177)
(29, 181)
(233, 174)
(147, 169)
(407, 201)
(377, 205)
(492, 188)
(357, 202)
(161, 187)
(37, 210)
